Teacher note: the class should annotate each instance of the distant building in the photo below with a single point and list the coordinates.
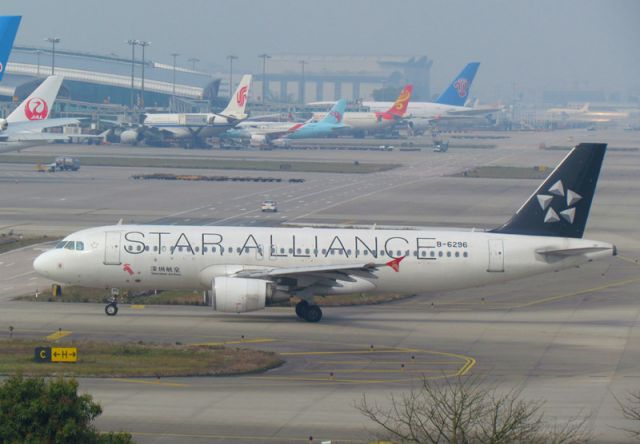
(291, 78)
(95, 78)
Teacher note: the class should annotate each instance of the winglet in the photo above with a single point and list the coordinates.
(395, 264)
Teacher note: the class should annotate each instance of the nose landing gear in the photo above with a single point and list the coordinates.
(112, 307)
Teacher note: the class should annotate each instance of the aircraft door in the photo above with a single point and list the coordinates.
(496, 256)
(112, 248)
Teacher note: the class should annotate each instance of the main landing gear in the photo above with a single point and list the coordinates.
(308, 312)
(112, 307)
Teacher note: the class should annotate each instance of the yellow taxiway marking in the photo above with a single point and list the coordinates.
(150, 382)
(57, 335)
(241, 341)
(466, 363)
(137, 306)
(578, 293)
(460, 305)
(249, 438)
(629, 259)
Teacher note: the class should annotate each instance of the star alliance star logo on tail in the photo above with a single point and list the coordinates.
(558, 190)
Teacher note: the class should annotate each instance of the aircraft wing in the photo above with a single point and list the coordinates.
(318, 269)
(35, 126)
(33, 137)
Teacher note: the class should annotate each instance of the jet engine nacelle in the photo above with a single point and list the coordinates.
(131, 136)
(239, 295)
(3, 124)
(258, 139)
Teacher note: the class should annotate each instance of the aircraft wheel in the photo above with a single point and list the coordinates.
(301, 309)
(313, 314)
(111, 309)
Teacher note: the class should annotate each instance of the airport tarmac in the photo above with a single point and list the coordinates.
(569, 338)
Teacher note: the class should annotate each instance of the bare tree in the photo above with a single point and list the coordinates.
(631, 410)
(466, 411)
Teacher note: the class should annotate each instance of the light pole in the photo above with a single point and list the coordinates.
(193, 61)
(231, 59)
(144, 44)
(133, 44)
(53, 41)
(38, 52)
(302, 63)
(173, 92)
(264, 58)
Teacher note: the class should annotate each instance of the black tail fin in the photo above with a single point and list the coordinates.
(560, 206)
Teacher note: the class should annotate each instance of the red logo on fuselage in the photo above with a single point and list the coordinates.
(128, 269)
(1, 67)
(462, 86)
(395, 264)
(241, 96)
(36, 109)
(336, 115)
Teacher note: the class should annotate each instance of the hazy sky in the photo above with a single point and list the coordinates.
(536, 44)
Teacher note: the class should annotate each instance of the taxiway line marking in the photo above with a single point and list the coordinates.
(579, 292)
(150, 382)
(57, 335)
(629, 259)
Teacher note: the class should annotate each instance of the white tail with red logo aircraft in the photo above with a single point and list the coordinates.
(191, 129)
(24, 126)
(247, 268)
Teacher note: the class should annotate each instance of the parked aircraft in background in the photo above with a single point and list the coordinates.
(362, 123)
(584, 114)
(248, 268)
(9, 25)
(331, 124)
(24, 126)
(192, 129)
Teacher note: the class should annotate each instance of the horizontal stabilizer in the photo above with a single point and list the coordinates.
(566, 252)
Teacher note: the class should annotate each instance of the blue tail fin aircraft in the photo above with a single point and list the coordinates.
(458, 91)
(8, 28)
(331, 123)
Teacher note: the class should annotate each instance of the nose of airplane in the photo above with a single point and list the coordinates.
(43, 264)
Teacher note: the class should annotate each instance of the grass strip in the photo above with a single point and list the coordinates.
(125, 360)
(210, 163)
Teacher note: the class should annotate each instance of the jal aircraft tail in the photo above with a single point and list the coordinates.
(458, 91)
(238, 102)
(39, 104)
(399, 107)
(335, 115)
(8, 28)
(560, 206)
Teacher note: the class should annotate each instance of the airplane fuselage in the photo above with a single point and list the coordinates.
(187, 257)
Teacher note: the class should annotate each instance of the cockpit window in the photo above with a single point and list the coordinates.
(71, 245)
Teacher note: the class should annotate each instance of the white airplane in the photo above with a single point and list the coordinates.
(23, 127)
(193, 128)
(247, 269)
